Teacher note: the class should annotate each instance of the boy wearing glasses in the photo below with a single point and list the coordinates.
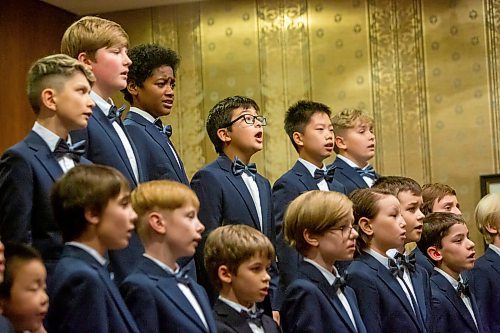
(230, 189)
(310, 130)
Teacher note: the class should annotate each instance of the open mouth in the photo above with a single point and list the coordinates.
(259, 136)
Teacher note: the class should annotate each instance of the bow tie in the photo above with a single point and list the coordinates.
(327, 174)
(115, 113)
(165, 129)
(253, 317)
(182, 276)
(463, 288)
(406, 261)
(72, 151)
(396, 270)
(366, 172)
(340, 282)
(239, 167)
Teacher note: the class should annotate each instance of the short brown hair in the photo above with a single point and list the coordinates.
(365, 204)
(487, 213)
(231, 245)
(345, 119)
(84, 187)
(397, 184)
(317, 211)
(159, 194)
(52, 72)
(432, 193)
(436, 227)
(91, 33)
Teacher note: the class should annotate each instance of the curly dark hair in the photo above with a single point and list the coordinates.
(145, 59)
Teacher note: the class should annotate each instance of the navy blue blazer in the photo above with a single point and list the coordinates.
(288, 187)
(158, 305)
(5, 325)
(156, 157)
(84, 299)
(486, 288)
(228, 320)
(105, 147)
(27, 172)
(225, 199)
(449, 313)
(312, 305)
(423, 261)
(383, 305)
(347, 176)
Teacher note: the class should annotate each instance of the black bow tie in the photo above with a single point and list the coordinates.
(367, 172)
(72, 151)
(340, 282)
(327, 174)
(115, 113)
(396, 270)
(182, 276)
(463, 288)
(406, 261)
(165, 129)
(253, 317)
(239, 167)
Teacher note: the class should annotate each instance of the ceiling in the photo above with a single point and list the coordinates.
(84, 7)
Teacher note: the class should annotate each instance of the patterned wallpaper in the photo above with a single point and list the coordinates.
(426, 70)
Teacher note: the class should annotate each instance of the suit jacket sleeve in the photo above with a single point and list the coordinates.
(16, 198)
(369, 306)
(208, 190)
(439, 317)
(141, 303)
(301, 311)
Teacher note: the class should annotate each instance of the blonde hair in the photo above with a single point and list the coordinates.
(52, 72)
(160, 194)
(487, 213)
(231, 245)
(317, 211)
(91, 33)
(345, 119)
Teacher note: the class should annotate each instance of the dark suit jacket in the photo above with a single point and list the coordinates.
(449, 313)
(27, 172)
(225, 199)
(486, 288)
(383, 304)
(288, 187)
(84, 299)
(423, 261)
(156, 157)
(105, 147)
(347, 176)
(312, 305)
(5, 325)
(158, 305)
(230, 321)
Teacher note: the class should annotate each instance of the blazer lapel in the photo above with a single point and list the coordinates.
(231, 317)
(351, 298)
(44, 155)
(305, 177)
(418, 286)
(350, 173)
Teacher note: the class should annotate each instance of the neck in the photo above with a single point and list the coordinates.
(103, 93)
(317, 161)
(358, 161)
(53, 124)
(314, 255)
(161, 252)
(454, 274)
(92, 241)
(496, 240)
(227, 292)
(380, 250)
(231, 153)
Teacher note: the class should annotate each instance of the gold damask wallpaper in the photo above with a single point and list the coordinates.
(426, 70)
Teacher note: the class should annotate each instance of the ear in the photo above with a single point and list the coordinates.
(83, 57)
(310, 238)
(91, 216)
(223, 134)
(157, 222)
(48, 99)
(224, 274)
(365, 226)
(492, 229)
(132, 88)
(434, 253)
(340, 142)
(297, 138)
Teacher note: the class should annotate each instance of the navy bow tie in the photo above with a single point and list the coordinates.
(396, 270)
(463, 288)
(74, 152)
(327, 174)
(253, 317)
(239, 167)
(408, 261)
(182, 276)
(165, 129)
(367, 172)
(115, 113)
(340, 282)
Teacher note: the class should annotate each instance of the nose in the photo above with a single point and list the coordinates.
(267, 277)
(470, 244)
(401, 220)
(199, 226)
(45, 298)
(354, 234)
(126, 60)
(420, 215)
(90, 102)
(456, 210)
(132, 215)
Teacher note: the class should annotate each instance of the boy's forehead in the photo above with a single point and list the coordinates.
(362, 123)
(407, 196)
(457, 229)
(241, 110)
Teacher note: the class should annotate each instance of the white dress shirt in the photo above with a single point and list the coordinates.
(51, 139)
(254, 192)
(238, 307)
(322, 185)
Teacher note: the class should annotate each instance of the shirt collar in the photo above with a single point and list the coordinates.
(448, 277)
(96, 255)
(161, 264)
(142, 113)
(329, 276)
(238, 307)
(351, 163)
(50, 138)
(101, 103)
(380, 258)
(495, 248)
(310, 167)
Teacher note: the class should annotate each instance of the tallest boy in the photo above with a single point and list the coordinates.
(102, 44)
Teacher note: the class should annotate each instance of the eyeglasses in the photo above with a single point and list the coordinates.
(249, 119)
(345, 229)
